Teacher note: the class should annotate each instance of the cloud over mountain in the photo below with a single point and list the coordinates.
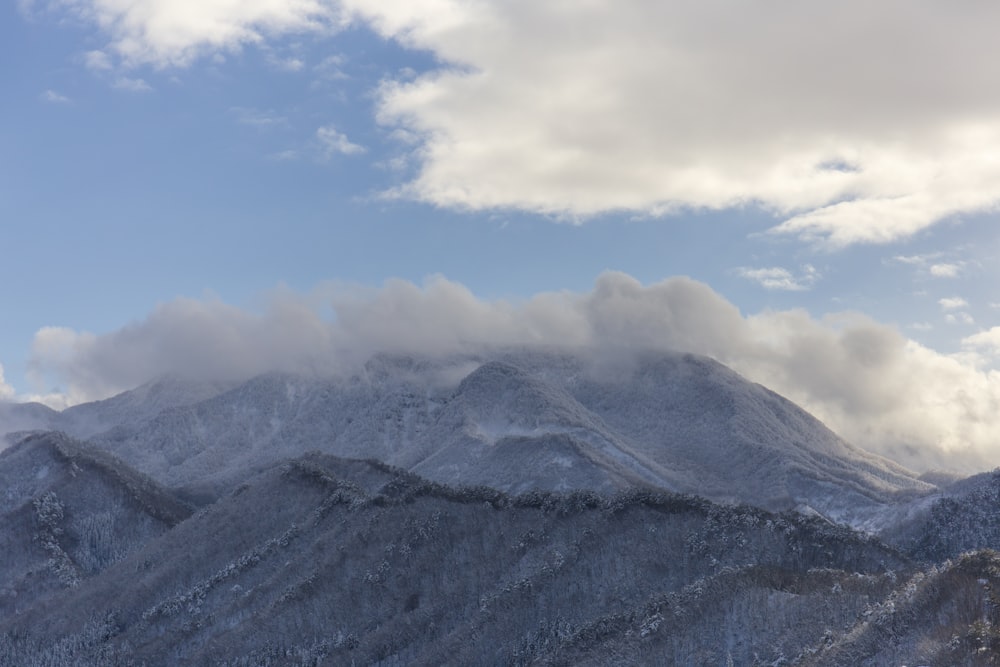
(851, 122)
(864, 379)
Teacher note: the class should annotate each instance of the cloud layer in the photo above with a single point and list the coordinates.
(864, 379)
(857, 123)
(166, 33)
(851, 121)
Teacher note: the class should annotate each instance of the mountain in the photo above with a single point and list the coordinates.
(519, 420)
(324, 561)
(68, 512)
(513, 508)
(945, 616)
(964, 517)
(739, 441)
(136, 406)
(17, 417)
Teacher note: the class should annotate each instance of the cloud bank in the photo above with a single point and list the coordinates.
(864, 379)
(6, 391)
(852, 121)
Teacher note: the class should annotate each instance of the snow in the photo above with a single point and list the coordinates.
(513, 419)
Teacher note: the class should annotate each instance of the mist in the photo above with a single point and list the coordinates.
(864, 379)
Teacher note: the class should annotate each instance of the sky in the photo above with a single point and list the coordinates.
(805, 191)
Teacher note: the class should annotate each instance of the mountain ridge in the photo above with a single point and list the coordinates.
(516, 419)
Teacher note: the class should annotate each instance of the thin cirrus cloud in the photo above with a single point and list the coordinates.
(945, 270)
(53, 97)
(131, 85)
(780, 278)
(852, 122)
(953, 303)
(333, 142)
(862, 378)
(6, 391)
(931, 264)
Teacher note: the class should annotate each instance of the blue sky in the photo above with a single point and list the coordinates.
(793, 157)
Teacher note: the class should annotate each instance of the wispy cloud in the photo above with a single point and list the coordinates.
(98, 61)
(572, 110)
(6, 391)
(933, 264)
(132, 85)
(288, 64)
(953, 303)
(960, 318)
(258, 118)
(915, 260)
(53, 97)
(333, 142)
(779, 278)
(987, 341)
(331, 68)
(863, 378)
(945, 270)
(285, 156)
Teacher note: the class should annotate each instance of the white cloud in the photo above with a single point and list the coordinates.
(915, 260)
(932, 264)
(988, 340)
(53, 97)
(132, 85)
(288, 64)
(333, 142)
(331, 68)
(285, 155)
(166, 33)
(98, 61)
(945, 270)
(953, 303)
(864, 379)
(258, 118)
(959, 318)
(6, 391)
(778, 278)
(562, 108)
(853, 121)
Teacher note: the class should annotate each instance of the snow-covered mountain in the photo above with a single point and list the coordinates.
(325, 561)
(135, 406)
(515, 508)
(513, 420)
(360, 564)
(17, 417)
(67, 513)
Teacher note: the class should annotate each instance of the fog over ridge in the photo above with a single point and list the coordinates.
(864, 379)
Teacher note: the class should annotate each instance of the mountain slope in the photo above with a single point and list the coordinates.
(739, 440)
(506, 428)
(964, 517)
(68, 512)
(361, 563)
(522, 419)
(135, 406)
(15, 417)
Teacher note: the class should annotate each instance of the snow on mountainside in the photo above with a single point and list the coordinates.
(739, 440)
(505, 428)
(15, 417)
(519, 420)
(961, 518)
(136, 406)
(359, 564)
(67, 513)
